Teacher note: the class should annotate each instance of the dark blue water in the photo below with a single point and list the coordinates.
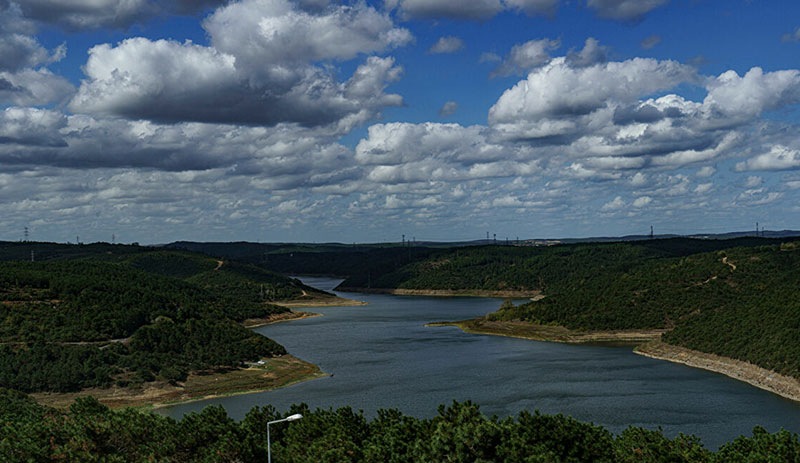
(382, 356)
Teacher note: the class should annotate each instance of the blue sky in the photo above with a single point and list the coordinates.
(313, 120)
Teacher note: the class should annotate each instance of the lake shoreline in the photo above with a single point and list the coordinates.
(551, 333)
(646, 343)
(445, 292)
(327, 302)
(278, 318)
(768, 380)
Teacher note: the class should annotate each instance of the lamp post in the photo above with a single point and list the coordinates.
(294, 417)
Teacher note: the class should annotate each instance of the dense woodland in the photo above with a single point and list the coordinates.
(90, 432)
(741, 302)
(86, 316)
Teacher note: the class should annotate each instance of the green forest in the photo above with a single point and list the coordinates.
(86, 316)
(740, 302)
(91, 432)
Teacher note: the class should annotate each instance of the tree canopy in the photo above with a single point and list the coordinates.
(459, 432)
(81, 318)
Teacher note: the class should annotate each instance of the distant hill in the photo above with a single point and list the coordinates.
(775, 234)
(249, 250)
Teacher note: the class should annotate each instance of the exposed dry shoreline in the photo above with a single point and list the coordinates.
(274, 373)
(326, 302)
(443, 292)
(785, 386)
(278, 318)
(648, 343)
(551, 333)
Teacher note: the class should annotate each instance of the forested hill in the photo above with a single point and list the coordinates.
(736, 298)
(82, 316)
(488, 267)
(317, 259)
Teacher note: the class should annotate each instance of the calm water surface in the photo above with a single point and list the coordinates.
(382, 356)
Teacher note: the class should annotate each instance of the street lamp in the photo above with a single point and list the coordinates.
(294, 417)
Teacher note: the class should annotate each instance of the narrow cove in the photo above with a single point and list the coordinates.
(382, 356)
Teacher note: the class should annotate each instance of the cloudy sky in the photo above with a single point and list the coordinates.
(361, 121)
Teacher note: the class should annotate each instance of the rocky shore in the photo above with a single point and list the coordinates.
(784, 386)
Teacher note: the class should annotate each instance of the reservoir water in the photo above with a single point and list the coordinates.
(382, 356)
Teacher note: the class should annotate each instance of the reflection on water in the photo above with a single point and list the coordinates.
(382, 356)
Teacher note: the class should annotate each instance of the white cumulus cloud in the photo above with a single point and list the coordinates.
(642, 201)
(777, 158)
(397, 153)
(24, 77)
(34, 87)
(261, 69)
(269, 38)
(749, 95)
(550, 99)
(614, 205)
(30, 127)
